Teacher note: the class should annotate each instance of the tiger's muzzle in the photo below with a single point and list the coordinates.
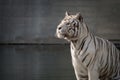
(61, 32)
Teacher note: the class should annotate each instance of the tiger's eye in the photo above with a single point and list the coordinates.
(74, 24)
(67, 23)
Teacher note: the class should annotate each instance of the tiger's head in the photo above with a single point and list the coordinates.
(70, 26)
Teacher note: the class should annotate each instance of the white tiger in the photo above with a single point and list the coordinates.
(93, 58)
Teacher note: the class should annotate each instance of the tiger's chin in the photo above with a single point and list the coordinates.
(67, 37)
(60, 36)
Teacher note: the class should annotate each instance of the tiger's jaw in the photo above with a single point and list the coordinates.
(61, 35)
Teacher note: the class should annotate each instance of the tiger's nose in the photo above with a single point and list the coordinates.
(59, 28)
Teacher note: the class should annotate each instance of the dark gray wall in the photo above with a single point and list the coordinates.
(35, 21)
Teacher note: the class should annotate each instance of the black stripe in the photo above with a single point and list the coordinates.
(83, 76)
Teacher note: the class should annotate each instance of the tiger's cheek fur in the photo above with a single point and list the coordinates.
(71, 32)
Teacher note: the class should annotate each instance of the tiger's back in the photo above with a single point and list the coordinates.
(109, 58)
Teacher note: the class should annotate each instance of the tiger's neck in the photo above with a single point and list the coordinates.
(78, 44)
(82, 36)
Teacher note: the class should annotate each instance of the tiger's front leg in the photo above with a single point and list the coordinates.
(93, 75)
(79, 77)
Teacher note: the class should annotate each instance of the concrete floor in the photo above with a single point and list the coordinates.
(35, 62)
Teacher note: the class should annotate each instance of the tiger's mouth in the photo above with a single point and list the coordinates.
(65, 36)
(61, 35)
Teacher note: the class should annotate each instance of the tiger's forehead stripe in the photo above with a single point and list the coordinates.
(68, 18)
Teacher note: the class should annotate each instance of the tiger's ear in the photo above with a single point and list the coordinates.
(79, 17)
(67, 14)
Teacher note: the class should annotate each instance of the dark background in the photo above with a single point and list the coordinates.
(28, 48)
(35, 21)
